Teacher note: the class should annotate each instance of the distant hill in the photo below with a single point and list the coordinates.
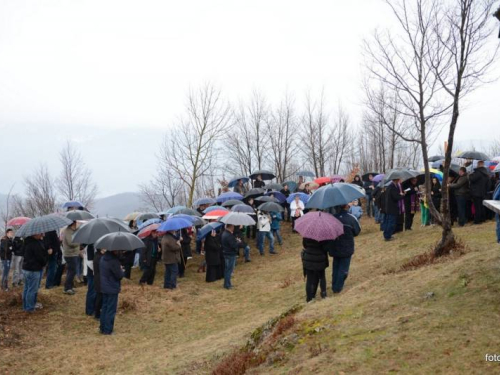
(118, 205)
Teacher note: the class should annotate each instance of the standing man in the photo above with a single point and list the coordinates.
(479, 186)
(393, 202)
(369, 187)
(230, 247)
(171, 256)
(412, 204)
(6, 250)
(53, 246)
(149, 256)
(264, 231)
(16, 265)
(258, 183)
(462, 194)
(286, 192)
(35, 259)
(71, 252)
(111, 275)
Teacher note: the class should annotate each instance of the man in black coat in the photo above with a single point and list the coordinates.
(35, 259)
(213, 257)
(369, 187)
(230, 246)
(479, 186)
(342, 248)
(314, 262)
(393, 196)
(149, 257)
(53, 247)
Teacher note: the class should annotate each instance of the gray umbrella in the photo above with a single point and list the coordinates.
(266, 175)
(43, 224)
(474, 155)
(243, 208)
(90, 232)
(189, 211)
(273, 186)
(79, 215)
(237, 218)
(401, 174)
(147, 216)
(252, 193)
(231, 203)
(266, 198)
(125, 241)
(271, 207)
(435, 158)
(305, 174)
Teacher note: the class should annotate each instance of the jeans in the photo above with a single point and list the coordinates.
(229, 263)
(462, 210)
(260, 241)
(30, 292)
(108, 313)
(148, 273)
(389, 225)
(340, 272)
(246, 252)
(171, 272)
(79, 268)
(377, 214)
(71, 269)
(91, 294)
(277, 233)
(381, 220)
(369, 205)
(16, 265)
(315, 278)
(498, 227)
(5, 274)
(51, 272)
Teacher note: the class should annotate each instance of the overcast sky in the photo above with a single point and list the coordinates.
(112, 75)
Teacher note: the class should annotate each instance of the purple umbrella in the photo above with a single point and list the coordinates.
(228, 196)
(319, 226)
(336, 178)
(378, 177)
(278, 195)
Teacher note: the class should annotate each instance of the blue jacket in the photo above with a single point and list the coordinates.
(111, 273)
(356, 211)
(343, 246)
(275, 223)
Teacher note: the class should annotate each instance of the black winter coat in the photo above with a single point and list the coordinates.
(111, 273)
(18, 247)
(213, 250)
(97, 272)
(229, 243)
(6, 248)
(35, 255)
(392, 197)
(343, 246)
(315, 254)
(51, 241)
(149, 252)
(479, 182)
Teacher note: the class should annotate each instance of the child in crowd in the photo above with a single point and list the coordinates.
(355, 209)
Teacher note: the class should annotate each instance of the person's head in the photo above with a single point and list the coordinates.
(240, 182)
(357, 178)
(38, 236)
(172, 232)
(9, 233)
(396, 180)
(154, 234)
(285, 187)
(271, 195)
(355, 202)
(72, 225)
(480, 163)
(259, 177)
(435, 181)
(413, 181)
(296, 198)
(250, 201)
(301, 179)
(230, 227)
(370, 177)
(462, 171)
(131, 224)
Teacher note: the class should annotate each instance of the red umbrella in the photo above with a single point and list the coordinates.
(215, 214)
(323, 180)
(18, 221)
(148, 230)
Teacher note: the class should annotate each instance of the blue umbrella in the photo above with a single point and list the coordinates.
(278, 195)
(228, 196)
(213, 208)
(174, 223)
(204, 201)
(72, 204)
(235, 180)
(243, 208)
(335, 195)
(149, 222)
(193, 219)
(305, 174)
(303, 197)
(205, 231)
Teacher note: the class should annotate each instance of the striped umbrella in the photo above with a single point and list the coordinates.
(43, 224)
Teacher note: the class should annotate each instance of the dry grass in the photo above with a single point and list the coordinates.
(381, 322)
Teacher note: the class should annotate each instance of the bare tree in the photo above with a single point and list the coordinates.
(40, 197)
(341, 140)
(75, 180)
(5, 214)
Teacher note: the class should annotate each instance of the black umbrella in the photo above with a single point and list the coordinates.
(90, 232)
(401, 174)
(147, 216)
(366, 175)
(435, 158)
(43, 224)
(231, 203)
(271, 207)
(266, 175)
(273, 186)
(474, 155)
(252, 193)
(125, 241)
(189, 211)
(267, 199)
(79, 215)
(305, 174)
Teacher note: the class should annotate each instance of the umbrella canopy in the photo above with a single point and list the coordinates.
(131, 216)
(204, 201)
(323, 180)
(378, 178)
(435, 158)
(230, 203)
(266, 175)
(228, 196)
(207, 229)
(235, 180)
(271, 207)
(188, 211)
(124, 241)
(90, 232)
(147, 216)
(303, 197)
(454, 167)
(149, 222)
(213, 208)
(337, 178)
(266, 198)
(173, 210)
(319, 226)
(252, 193)
(18, 221)
(400, 174)
(147, 230)
(273, 186)
(366, 176)
(312, 185)
(216, 214)
(496, 169)
(196, 220)
(305, 174)
(335, 195)
(434, 173)
(79, 215)
(278, 195)
(174, 223)
(236, 218)
(243, 208)
(43, 224)
(474, 155)
(73, 204)
(292, 185)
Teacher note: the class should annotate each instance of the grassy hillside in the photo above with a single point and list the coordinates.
(436, 319)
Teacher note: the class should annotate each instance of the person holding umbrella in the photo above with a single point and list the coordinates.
(369, 186)
(479, 187)
(186, 234)
(462, 194)
(258, 182)
(71, 252)
(264, 231)
(6, 250)
(393, 208)
(411, 203)
(286, 192)
(240, 188)
(436, 195)
(230, 249)
(357, 180)
(149, 257)
(111, 274)
(213, 256)
(35, 259)
(171, 256)
(53, 245)
(297, 208)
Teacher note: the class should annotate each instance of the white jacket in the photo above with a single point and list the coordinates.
(294, 206)
(264, 223)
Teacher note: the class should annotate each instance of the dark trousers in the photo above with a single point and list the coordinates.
(148, 273)
(253, 229)
(408, 220)
(59, 272)
(313, 279)
(128, 270)
(389, 225)
(462, 210)
(293, 222)
(51, 272)
(182, 267)
(478, 208)
(71, 266)
(340, 272)
(91, 294)
(170, 279)
(98, 305)
(213, 273)
(108, 313)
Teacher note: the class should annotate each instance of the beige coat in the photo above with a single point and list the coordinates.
(171, 250)
(70, 249)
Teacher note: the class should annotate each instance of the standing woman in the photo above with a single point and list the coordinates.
(315, 261)
(411, 203)
(357, 181)
(436, 195)
(213, 252)
(171, 256)
(296, 210)
(71, 253)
